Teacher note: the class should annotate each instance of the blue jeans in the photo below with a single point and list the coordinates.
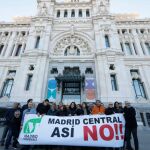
(5, 131)
(9, 137)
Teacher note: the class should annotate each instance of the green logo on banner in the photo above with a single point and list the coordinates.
(30, 125)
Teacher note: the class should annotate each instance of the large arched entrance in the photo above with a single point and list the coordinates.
(72, 67)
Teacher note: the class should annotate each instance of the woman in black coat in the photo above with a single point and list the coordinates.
(72, 109)
(79, 110)
(117, 108)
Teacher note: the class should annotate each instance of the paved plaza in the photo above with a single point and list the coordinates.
(143, 134)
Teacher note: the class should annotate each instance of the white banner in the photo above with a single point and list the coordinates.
(92, 130)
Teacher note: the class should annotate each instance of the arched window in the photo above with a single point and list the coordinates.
(139, 88)
(114, 84)
(1, 48)
(37, 43)
(138, 85)
(87, 13)
(73, 13)
(128, 48)
(80, 13)
(58, 13)
(65, 13)
(29, 81)
(18, 51)
(147, 45)
(107, 42)
(7, 87)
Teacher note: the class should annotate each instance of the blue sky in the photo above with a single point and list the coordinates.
(10, 8)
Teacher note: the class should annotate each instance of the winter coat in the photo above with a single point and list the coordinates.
(42, 109)
(98, 110)
(52, 112)
(130, 117)
(109, 111)
(15, 126)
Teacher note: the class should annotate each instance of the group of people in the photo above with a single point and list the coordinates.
(15, 117)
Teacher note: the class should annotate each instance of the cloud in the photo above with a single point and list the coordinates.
(131, 6)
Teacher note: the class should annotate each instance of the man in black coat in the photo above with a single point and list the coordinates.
(131, 126)
(8, 116)
(43, 108)
(110, 109)
(14, 129)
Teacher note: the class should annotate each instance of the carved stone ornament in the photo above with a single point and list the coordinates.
(106, 28)
(145, 37)
(72, 51)
(74, 45)
(20, 39)
(39, 29)
(102, 8)
(43, 10)
(3, 38)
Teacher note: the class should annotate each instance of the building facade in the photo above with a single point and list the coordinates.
(75, 50)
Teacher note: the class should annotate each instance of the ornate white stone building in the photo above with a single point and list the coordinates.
(75, 50)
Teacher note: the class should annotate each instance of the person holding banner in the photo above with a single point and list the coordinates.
(131, 126)
(72, 109)
(60, 104)
(53, 110)
(79, 110)
(29, 110)
(43, 108)
(85, 109)
(117, 108)
(98, 108)
(62, 111)
(110, 109)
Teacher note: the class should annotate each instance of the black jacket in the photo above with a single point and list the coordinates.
(9, 115)
(24, 107)
(130, 117)
(79, 112)
(72, 112)
(52, 112)
(14, 125)
(61, 113)
(119, 110)
(42, 109)
(109, 111)
(87, 111)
